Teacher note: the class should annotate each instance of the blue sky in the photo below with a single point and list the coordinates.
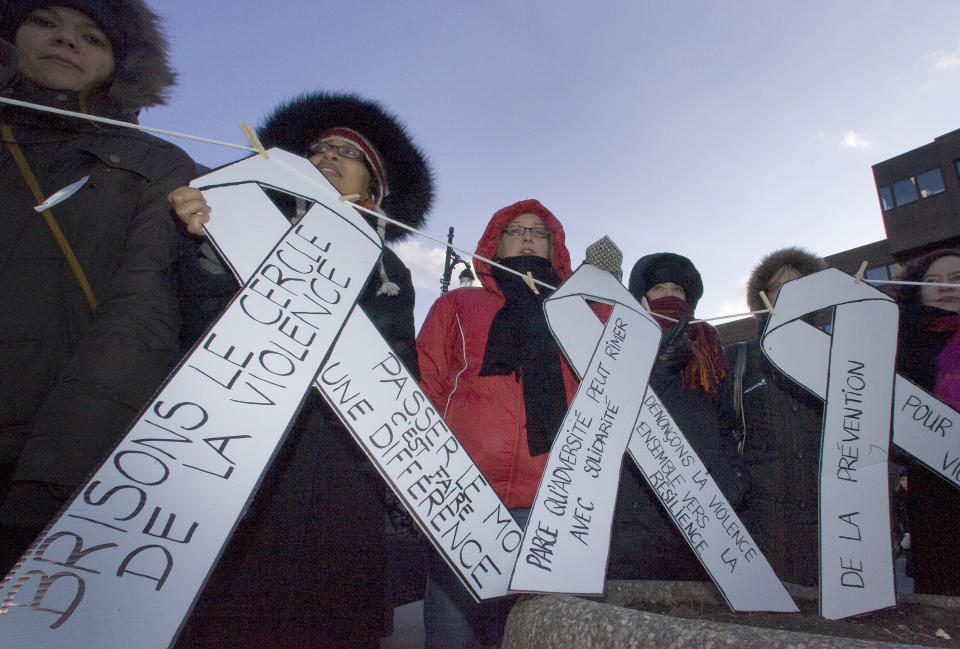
(718, 130)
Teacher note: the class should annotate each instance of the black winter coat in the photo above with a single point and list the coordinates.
(72, 379)
(646, 544)
(933, 503)
(782, 424)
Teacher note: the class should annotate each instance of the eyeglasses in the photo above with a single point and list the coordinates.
(343, 150)
(516, 230)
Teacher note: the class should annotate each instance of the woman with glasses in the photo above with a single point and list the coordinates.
(307, 564)
(494, 372)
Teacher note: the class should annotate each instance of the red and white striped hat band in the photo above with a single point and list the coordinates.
(350, 136)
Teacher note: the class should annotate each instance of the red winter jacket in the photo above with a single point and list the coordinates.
(486, 413)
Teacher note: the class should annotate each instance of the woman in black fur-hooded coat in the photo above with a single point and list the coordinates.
(405, 194)
(79, 358)
(307, 565)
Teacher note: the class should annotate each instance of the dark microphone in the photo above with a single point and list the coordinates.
(8, 62)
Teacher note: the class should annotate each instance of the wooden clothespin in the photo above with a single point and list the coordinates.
(766, 302)
(645, 304)
(859, 275)
(254, 140)
(349, 198)
(528, 280)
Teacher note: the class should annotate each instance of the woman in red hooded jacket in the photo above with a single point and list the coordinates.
(493, 370)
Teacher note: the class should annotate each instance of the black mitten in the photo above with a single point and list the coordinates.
(675, 349)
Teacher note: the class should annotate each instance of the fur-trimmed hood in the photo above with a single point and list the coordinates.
(294, 125)
(143, 76)
(801, 259)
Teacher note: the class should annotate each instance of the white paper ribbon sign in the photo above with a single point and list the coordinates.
(660, 450)
(122, 564)
(408, 442)
(567, 538)
(702, 513)
(927, 428)
(381, 404)
(853, 370)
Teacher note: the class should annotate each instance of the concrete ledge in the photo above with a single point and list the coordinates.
(563, 621)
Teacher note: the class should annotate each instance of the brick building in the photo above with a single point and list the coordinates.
(919, 198)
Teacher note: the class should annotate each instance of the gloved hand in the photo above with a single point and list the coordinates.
(675, 348)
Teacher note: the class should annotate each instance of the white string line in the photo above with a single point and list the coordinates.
(732, 315)
(894, 282)
(139, 127)
(333, 192)
(898, 282)
(116, 122)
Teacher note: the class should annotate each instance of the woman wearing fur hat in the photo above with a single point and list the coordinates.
(364, 151)
(307, 565)
(494, 372)
(689, 377)
(88, 317)
(779, 424)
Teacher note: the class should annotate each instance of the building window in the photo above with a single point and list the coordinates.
(878, 272)
(930, 183)
(886, 198)
(957, 164)
(905, 191)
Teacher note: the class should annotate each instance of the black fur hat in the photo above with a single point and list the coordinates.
(661, 267)
(142, 75)
(295, 125)
(800, 259)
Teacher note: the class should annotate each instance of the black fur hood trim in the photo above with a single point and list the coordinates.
(294, 125)
(804, 261)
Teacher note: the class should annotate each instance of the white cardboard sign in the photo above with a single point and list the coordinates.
(567, 538)
(419, 457)
(853, 370)
(927, 428)
(700, 511)
(378, 400)
(122, 564)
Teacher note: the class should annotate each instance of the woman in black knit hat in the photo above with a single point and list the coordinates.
(307, 565)
(689, 377)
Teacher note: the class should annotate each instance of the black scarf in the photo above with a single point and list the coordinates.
(519, 342)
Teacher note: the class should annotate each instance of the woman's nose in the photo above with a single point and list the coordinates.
(66, 36)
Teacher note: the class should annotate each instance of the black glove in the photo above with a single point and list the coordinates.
(675, 349)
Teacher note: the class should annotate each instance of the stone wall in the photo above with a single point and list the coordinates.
(563, 621)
